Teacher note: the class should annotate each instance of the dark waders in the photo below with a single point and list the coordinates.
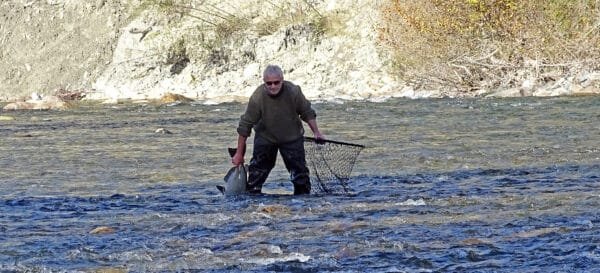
(263, 161)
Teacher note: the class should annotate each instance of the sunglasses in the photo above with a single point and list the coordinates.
(273, 83)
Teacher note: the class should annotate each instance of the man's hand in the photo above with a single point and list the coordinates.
(315, 129)
(238, 158)
(319, 138)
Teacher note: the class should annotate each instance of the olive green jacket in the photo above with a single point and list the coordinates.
(277, 118)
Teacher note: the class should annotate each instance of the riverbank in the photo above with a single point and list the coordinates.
(110, 51)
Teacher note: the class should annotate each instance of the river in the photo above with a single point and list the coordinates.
(443, 185)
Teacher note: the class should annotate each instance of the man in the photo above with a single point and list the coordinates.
(275, 111)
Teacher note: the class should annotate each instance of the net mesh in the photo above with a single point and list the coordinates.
(330, 163)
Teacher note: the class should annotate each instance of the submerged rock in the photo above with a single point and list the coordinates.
(274, 209)
(162, 131)
(103, 230)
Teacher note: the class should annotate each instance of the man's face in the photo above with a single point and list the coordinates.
(273, 84)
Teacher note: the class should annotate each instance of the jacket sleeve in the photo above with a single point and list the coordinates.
(249, 118)
(303, 107)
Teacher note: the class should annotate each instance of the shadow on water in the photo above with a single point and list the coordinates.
(496, 220)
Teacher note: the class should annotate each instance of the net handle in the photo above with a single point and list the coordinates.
(332, 141)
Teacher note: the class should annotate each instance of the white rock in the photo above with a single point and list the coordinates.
(35, 97)
(251, 71)
(338, 66)
(528, 84)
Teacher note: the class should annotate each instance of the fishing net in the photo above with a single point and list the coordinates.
(330, 163)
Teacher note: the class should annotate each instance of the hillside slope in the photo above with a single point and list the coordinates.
(53, 44)
(215, 52)
(212, 51)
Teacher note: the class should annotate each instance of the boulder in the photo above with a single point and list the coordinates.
(19, 105)
(46, 103)
(586, 91)
(172, 98)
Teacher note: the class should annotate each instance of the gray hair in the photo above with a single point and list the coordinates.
(274, 70)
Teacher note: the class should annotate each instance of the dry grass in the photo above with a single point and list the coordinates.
(468, 45)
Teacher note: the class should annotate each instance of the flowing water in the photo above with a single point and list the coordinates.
(489, 185)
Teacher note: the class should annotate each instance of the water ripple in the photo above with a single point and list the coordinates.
(494, 186)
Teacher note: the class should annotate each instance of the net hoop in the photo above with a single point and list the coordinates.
(330, 163)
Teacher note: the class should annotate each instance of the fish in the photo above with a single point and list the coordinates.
(235, 179)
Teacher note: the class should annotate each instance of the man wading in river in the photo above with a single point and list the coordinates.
(275, 111)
